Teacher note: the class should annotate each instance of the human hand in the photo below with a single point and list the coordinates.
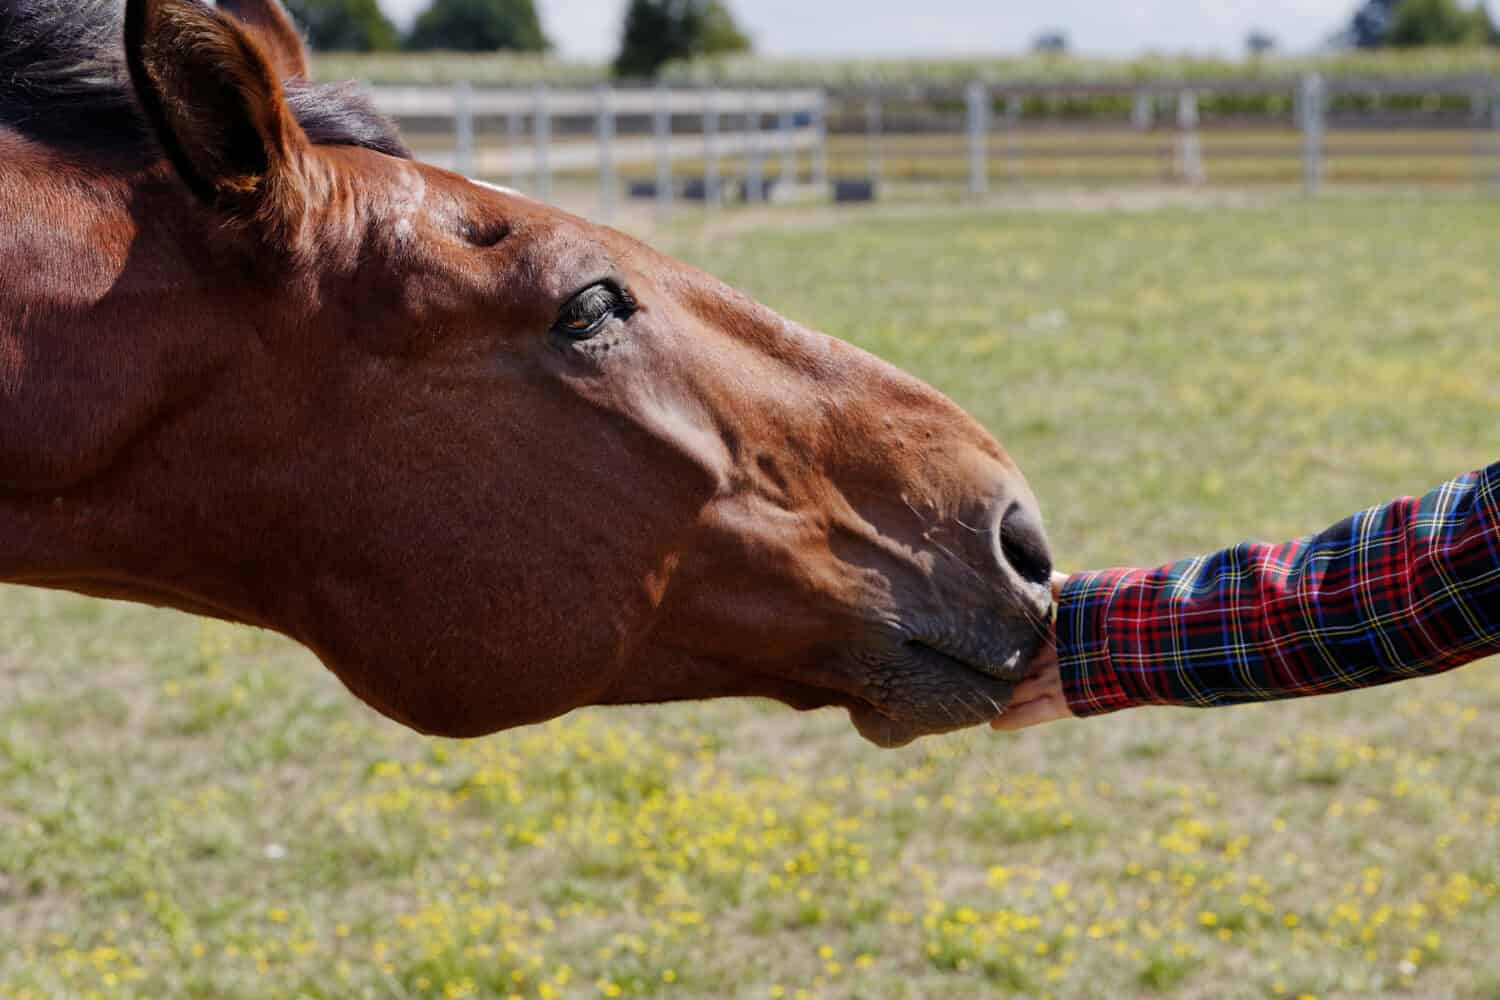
(1040, 697)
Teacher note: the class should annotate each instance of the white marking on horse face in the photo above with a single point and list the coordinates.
(406, 202)
(496, 187)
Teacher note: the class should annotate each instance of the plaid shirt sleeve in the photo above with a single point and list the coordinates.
(1402, 590)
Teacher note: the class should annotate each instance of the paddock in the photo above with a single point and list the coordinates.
(1176, 369)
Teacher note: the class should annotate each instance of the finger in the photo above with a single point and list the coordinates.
(1032, 688)
(1058, 579)
(1044, 662)
(1048, 708)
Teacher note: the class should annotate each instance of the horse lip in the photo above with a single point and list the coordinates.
(1010, 669)
(888, 724)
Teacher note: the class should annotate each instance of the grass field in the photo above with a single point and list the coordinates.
(193, 810)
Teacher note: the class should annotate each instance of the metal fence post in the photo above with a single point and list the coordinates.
(1190, 146)
(978, 100)
(1312, 101)
(662, 126)
(820, 149)
(1495, 124)
(711, 148)
(1143, 111)
(463, 128)
(604, 132)
(1013, 113)
(541, 134)
(784, 124)
(755, 167)
(874, 124)
(514, 129)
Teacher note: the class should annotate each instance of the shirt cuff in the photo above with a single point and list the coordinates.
(1089, 679)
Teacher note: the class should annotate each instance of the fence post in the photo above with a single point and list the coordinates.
(1495, 124)
(662, 126)
(977, 99)
(1014, 107)
(711, 148)
(1190, 146)
(514, 128)
(784, 124)
(820, 151)
(874, 123)
(463, 128)
(541, 134)
(604, 130)
(1143, 112)
(1312, 100)
(755, 166)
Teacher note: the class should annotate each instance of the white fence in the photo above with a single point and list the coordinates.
(1288, 131)
(710, 145)
(668, 127)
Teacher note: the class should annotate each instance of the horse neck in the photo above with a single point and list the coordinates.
(108, 336)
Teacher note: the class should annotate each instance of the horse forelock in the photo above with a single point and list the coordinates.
(63, 82)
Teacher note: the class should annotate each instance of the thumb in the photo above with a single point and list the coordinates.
(1045, 708)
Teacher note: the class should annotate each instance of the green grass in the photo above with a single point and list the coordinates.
(192, 810)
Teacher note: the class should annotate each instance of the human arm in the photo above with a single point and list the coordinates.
(1403, 590)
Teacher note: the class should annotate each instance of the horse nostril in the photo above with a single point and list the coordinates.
(1024, 545)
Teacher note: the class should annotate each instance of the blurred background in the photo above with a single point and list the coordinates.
(698, 101)
(1211, 272)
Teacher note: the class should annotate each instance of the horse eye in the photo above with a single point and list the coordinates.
(586, 313)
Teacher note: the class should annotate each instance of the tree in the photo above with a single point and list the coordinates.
(1431, 22)
(1410, 23)
(479, 26)
(720, 33)
(343, 25)
(658, 31)
(1485, 28)
(1051, 42)
(1260, 43)
(1371, 27)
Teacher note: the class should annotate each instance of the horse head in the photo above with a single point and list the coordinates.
(490, 461)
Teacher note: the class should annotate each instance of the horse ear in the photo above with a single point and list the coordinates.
(268, 19)
(217, 108)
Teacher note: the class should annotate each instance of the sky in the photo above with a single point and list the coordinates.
(589, 29)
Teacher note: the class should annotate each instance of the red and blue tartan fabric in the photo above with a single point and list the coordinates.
(1402, 590)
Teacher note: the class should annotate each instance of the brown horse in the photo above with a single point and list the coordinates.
(489, 461)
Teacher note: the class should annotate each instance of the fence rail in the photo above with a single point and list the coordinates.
(708, 144)
(445, 102)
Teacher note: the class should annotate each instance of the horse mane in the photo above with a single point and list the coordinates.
(63, 82)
